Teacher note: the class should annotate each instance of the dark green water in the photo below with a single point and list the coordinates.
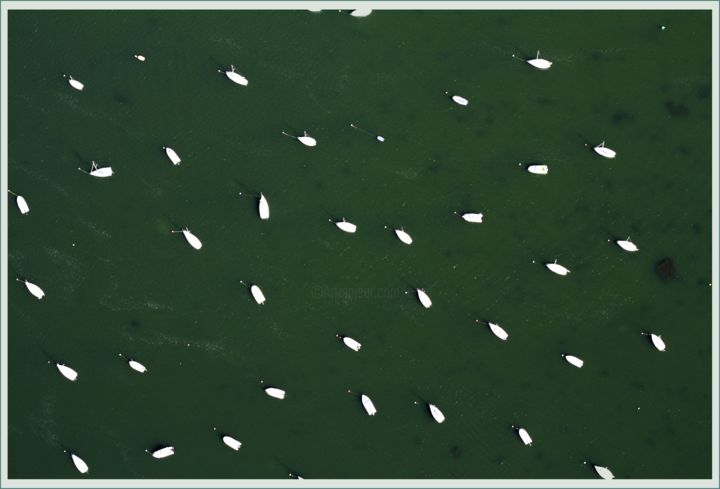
(117, 280)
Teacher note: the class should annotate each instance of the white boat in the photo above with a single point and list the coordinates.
(368, 405)
(77, 85)
(174, 158)
(524, 435)
(79, 464)
(139, 57)
(424, 298)
(21, 203)
(361, 12)
(604, 152)
(67, 372)
(604, 472)
(436, 413)
(263, 208)
(539, 63)
(348, 227)
(377, 136)
(163, 452)
(235, 77)
(458, 99)
(33, 289)
(498, 331)
(95, 171)
(350, 343)
(657, 341)
(538, 169)
(257, 294)
(275, 392)
(231, 442)
(135, 365)
(556, 268)
(304, 139)
(573, 360)
(627, 245)
(191, 238)
(403, 236)
(471, 216)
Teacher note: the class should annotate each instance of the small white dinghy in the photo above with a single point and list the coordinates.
(361, 12)
(604, 152)
(33, 289)
(234, 76)
(350, 343)
(95, 171)
(67, 372)
(436, 413)
(538, 169)
(344, 225)
(263, 208)
(191, 238)
(368, 405)
(135, 365)
(174, 158)
(230, 441)
(402, 235)
(163, 452)
(539, 63)
(424, 298)
(79, 464)
(471, 216)
(76, 84)
(524, 435)
(657, 341)
(275, 392)
(21, 202)
(458, 99)
(256, 293)
(304, 139)
(139, 57)
(556, 268)
(498, 331)
(627, 245)
(573, 360)
(604, 472)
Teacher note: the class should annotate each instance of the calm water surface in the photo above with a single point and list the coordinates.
(117, 280)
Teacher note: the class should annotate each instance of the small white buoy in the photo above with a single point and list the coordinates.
(471, 216)
(344, 225)
(235, 76)
(79, 463)
(174, 158)
(304, 139)
(67, 372)
(556, 268)
(604, 472)
(627, 245)
(33, 289)
(524, 435)
(573, 360)
(256, 292)
(350, 343)
(103, 172)
(77, 85)
(538, 169)
(604, 152)
(190, 237)
(458, 99)
(436, 413)
(275, 392)
(139, 57)
(424, 298)
(497, 330)
(539, 63)
(22, 204)
(368, 405)
(163, 452)
(361, 12)
(657, 341)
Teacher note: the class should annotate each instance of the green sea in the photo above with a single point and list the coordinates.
(118, 281)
